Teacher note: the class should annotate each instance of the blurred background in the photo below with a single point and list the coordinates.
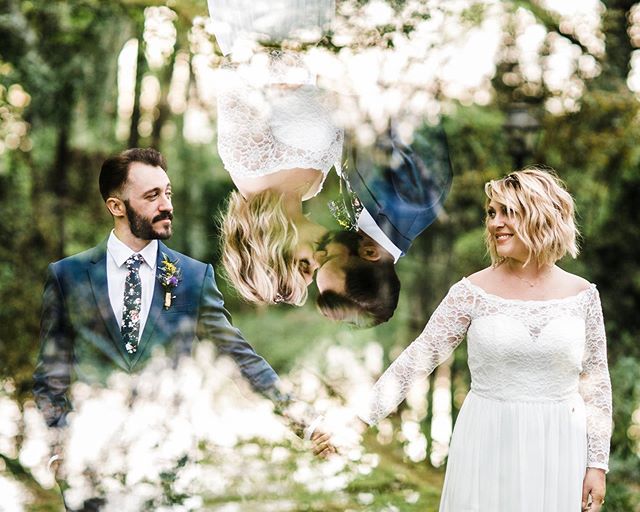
(554, 82)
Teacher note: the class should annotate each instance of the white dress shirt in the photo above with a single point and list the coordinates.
(117, 254)
(368, 226)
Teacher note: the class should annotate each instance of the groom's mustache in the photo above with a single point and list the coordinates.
(163, 216)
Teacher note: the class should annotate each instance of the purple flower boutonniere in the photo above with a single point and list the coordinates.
(169, 276)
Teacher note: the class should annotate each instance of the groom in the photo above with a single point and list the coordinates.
(107, 309)
(392, 192)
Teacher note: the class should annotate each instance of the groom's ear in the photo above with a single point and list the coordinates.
(116, 207)
(369, 250)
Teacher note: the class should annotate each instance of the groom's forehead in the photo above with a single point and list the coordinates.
(143, 176)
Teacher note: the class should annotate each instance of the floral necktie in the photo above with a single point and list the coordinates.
(130, 329)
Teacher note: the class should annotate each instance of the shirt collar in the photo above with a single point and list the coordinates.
(368, 225)
(120, 252)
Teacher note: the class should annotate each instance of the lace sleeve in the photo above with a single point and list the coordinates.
(442, 334)
(595, 386)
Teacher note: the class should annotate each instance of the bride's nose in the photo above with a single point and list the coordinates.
(314, 264)
(497, 221)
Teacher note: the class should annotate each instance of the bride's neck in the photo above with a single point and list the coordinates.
(292, 202)
(531, 270)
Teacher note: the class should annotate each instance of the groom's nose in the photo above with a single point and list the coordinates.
(319, 257)
(165, 204)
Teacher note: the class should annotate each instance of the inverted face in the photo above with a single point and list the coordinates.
(338, 251)
(332, 259)
(147, 198)
(501, 227)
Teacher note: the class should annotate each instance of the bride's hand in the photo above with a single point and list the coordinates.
(593, 485)
(344, 436)
(322, 446)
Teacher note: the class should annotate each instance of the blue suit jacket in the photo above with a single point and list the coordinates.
(80, 337)
(403, 187)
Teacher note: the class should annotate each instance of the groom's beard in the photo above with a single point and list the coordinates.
(143, 229)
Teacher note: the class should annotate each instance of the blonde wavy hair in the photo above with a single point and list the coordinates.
(258, 248)
(543, 214)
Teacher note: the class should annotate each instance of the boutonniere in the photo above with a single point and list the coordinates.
(345, 215)
(347, 210)
(170, 276)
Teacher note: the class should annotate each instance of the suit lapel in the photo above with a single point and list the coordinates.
(156, 306)
(374, 188)
(98, 278)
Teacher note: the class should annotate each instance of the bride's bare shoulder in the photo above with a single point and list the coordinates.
(483, 277)
(571, 283)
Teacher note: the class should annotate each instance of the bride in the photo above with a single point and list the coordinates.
(533, 433)
(278, 142)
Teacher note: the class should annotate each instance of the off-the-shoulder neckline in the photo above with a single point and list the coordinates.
(469, 284)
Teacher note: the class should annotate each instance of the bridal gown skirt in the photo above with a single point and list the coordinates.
(516, 456)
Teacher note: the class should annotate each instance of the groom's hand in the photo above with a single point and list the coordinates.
(54, 464)
(56, 453)
(321, 444)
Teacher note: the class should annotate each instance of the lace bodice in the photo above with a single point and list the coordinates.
(518, 350)
(268, 129)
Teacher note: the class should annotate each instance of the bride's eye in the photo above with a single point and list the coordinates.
(304, 265)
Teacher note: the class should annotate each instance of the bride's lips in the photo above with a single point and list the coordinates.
(503, 237)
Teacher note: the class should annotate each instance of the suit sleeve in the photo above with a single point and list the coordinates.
(214, 323)
(52, 376)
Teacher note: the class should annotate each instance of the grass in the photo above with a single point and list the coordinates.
(393, 485)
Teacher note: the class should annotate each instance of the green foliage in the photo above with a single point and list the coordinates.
(398, 481)
(625, 374)
(49, 500)
(602, 169)
(168, 480)
(474, 14)
(21, 277)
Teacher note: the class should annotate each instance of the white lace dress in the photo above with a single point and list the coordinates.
(278, 126)
(539, 409)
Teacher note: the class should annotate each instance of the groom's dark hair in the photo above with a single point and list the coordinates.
(372, 289)
(115, 169)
